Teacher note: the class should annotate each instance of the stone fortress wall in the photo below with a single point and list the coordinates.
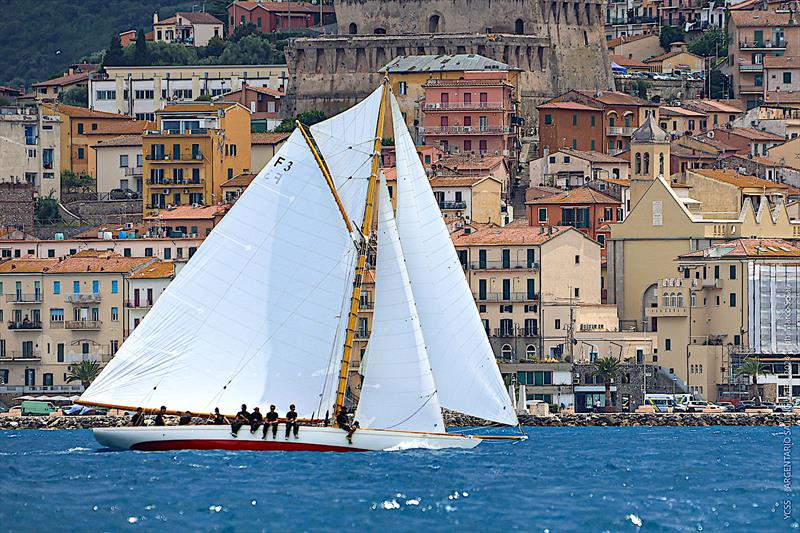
(557, 46)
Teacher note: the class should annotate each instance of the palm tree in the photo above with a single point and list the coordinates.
(752, 368)
(85, 372)
(607, 368)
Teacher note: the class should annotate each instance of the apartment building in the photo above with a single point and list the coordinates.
(473, 114)
(76, 76)
(630, 17)
(193, 221)
(719, 113)
(141, 91)
(755, 36)
(782, 80)
(194, 149)
(263, 146)
(732, 300)
(271, 17)
(30, 148)
(124, 240)
(636, 47)
(145, 286)
(567, 168)
(264, 105)
(60, 311)
(189, 28)
(118, 163)
(678, 60)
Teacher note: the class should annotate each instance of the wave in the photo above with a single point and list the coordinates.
(414, 444)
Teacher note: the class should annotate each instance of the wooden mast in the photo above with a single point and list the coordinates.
(366, 227)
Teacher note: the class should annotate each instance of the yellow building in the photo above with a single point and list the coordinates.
(680, 121)
(677, 60)
(194, 149)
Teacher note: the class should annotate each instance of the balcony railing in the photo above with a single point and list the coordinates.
(454, 106)
(464, 130)
(187, 156)
(515, 331)
(666, 311)
(196, 131)
(751, 67)
(361, 334)
(751, 89)
(141, 304)
(780, 44)
(133, 171)
(366, 304)
(502, 265)
(83, 298)
(452, 205)
(17, 389)
(98, 357)
(25, 325)
(712, 283)
(173, 182)
(83, 324)
(620, 130)
(21, 356)
(508, 297)
(24, 298)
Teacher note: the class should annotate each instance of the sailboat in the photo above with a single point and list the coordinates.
(265, 312)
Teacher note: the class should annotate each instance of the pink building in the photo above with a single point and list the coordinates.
(472, 114)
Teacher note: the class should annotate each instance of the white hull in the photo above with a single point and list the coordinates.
(310, 438)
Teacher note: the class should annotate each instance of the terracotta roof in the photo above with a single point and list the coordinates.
(268, 138)
(767, 248)
(627, 39)
(167, 21)
(159, 269)
(627, 62)
(792, 62)
(616, 98)
(458, 181)
(471, 162)
(669, 55)
(199, 17)
(594, 157)
(115, 230)
(108, 262)
(83, 112)
(732, 177)
(482, 82)
(672, 111)
(678, 150)
(26, 266)
(390, 173)
(757, 19)
(195, 107)
(266, 90)
(185, 212)
(580, 195)
(540, 191)
(296, 7)
(122, 140)
(121, 127)
(618, 181)
(711, 106)
(575, 106)
(242, 180)
(66, 79)
(754, 134)
(518, 232)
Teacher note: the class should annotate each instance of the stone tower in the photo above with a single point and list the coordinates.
(649, 157)
(556, 46)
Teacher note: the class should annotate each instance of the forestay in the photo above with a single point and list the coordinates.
(254, 317)
(398, 390)
(464, 368)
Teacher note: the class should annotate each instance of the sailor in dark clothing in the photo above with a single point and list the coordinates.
(218, 419)
(272, 421)
(186, 419)
(343, 421)
(255, 420)
(291, 422)
(160, 417)
(242, 418)
(138, 418)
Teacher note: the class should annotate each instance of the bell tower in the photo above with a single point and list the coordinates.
(649, 157)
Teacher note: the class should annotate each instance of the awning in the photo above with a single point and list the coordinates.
(24, 398)
(618, 68)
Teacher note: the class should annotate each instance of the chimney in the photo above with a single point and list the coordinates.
(155, 17)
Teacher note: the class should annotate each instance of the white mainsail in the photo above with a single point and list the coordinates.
(398, 390)
(464, 368)
(255, 316)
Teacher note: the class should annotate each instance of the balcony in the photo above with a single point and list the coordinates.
(23, 356)
(22, 389)
(133, 171)
(712, 283)
(366, 304)
(361, 334)
(97, 357)
(779, 44)
(25, 325)
(508, 297)
(462, 106)
(79, 298)
(86, 325)
(515, 331)
(465, 130)
(623, 131)
(175, 183)
(502, 265)
(186, 156)
(196, 131)
(140, 304)
(751, 89)
(24, 298)
(452, 205)
(666, 311)
(751, 67)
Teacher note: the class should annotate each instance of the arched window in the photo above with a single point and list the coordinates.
(380, 31)
(638, 163)
(672, 300)
(530, 351)
(700, 368)
(506, 351)
(433, 23)
(353, 29)
(661, 164)
(519, 27)
(666, 300)
(680, 299)
(647, 164)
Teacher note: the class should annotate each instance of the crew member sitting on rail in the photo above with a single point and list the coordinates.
(218, 419)
(272, 422)
(242, 418)
(255, 419)
(291, 422)
(160, 417)
(343, 422)
(186, 419)
(138, 418)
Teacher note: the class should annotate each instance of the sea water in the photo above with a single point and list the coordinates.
(561, 479)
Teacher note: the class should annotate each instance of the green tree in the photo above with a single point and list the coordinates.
(141, 52)
(46, 209)
(639, 88)
(669, 35)
(713, 43)
(214, 48)
(113, 56)
(219, 8)
(720, 84)
(85, 372)
(203, 98)
(78, 96)
(242, 31)
(307, 118)
(607, 368)
(250, 50)
(751, 368)
(73, 182)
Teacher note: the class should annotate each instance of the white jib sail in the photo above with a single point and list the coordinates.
(398, 390)
(464, 367)
(255, 315)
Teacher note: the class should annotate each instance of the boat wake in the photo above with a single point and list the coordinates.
(414, 444)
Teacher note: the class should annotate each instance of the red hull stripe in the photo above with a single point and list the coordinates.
(225, 444)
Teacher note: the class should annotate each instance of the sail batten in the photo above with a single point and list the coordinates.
(464, 368)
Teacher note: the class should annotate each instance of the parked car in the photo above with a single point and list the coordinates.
(37, 408)
(728, 407)
(693, 406)
(741, 406)
(784, 407)
(123, 194)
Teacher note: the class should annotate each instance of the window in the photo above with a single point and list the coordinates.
(567, 159)
(577, 259)
(123, 161)
(148, 252)
(557, 324)
(56, 287)
(80, 127)
(732, 272)
(548, 119)
(638, 163)
(531, 289)
(787, 77)
(56, 315)
(105, 95)
(81, 153)
(114, 314)
(76, 287)
(668, 344)
(732, 299)
(403, 88)
(60, 352)
(602, 240)
(577, 292)
(574, 144)
(95, 286)
(114, 286)
(592, 122)
(506, 351)
(716, 271)
(574, 119)
(593, 145)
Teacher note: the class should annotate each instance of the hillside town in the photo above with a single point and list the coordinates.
(632, 193)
